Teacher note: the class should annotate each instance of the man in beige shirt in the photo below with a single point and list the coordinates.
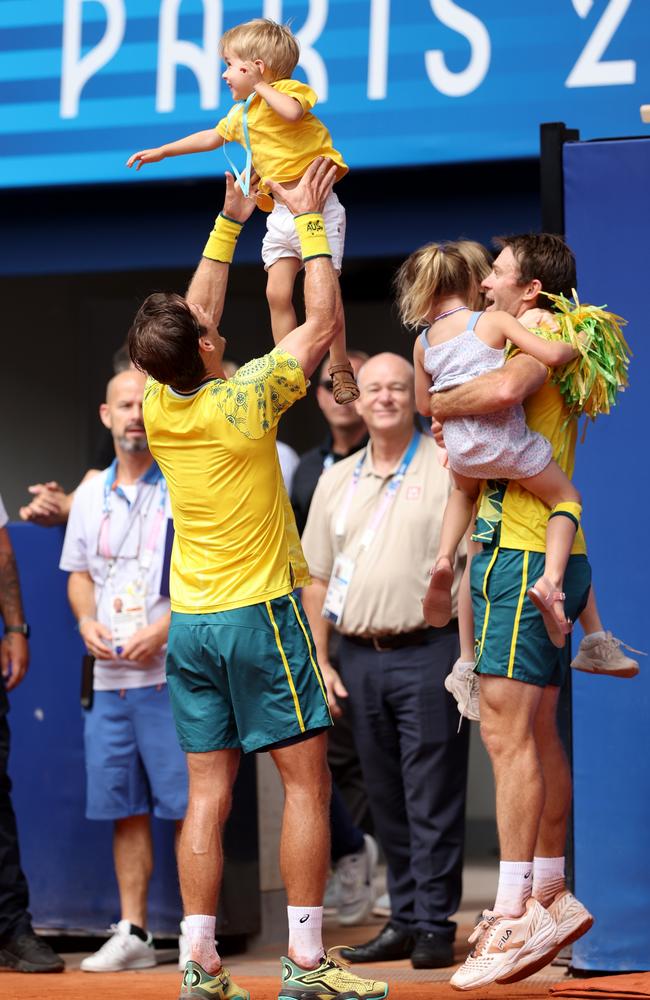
(374, 521)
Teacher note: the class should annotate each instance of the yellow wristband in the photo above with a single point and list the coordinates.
(223, 239)
(310, 227)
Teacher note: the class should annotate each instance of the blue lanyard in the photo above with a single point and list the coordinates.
(389, 493)
(244, 178)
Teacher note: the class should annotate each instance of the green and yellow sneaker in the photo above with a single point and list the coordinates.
(329, 979)
(201, 985)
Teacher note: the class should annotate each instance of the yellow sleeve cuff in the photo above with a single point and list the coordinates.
(310, 227)
(223, 239)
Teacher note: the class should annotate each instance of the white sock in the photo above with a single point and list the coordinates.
(595, 635)
(305, 935)
(548, 879)
(515, 886)
(203, 948)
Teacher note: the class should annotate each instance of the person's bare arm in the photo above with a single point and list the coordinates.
(208, 286)
(549, 352)
(508, 386)
(323, 307)
(81, 594)
(51, 504)
(198, 142)
(285, 105)
(313, 599)
(422, 380)
(14, 648)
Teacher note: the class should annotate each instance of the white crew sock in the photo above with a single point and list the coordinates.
(515, 886)
(305, 935)
(203, 948)
(548, 879)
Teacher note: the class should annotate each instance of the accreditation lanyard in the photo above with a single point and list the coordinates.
(146, 556)
(385, 501)
(244, 178)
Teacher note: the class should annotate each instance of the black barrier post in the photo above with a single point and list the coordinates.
(552, 136)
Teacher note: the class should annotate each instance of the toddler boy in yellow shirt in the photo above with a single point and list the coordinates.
(272, 117)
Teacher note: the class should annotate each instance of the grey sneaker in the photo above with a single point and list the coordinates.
(602, 654)
(355, 874)
(462, 683)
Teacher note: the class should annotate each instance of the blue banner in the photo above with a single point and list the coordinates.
(85, 83)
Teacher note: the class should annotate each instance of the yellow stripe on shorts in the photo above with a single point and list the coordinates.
(520, 604)
(278, 641)
(311, 657)
(487, 601)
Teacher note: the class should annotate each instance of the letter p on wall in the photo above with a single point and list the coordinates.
(76, 68)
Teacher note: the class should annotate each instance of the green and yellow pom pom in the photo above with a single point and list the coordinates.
(589, 384)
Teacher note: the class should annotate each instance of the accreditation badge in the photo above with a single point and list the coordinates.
(337, 589)
(128, 614)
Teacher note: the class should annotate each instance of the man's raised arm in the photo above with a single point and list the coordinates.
(508, 386)
(208, 286)
(323, 308)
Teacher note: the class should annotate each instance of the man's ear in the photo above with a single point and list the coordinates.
(105, 415)
(206, 345)
(532, 290)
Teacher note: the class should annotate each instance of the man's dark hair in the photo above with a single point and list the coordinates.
(164, 341)
(543, 256)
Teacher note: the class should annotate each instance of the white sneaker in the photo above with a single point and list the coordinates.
(572, 920)
(355, 874)
(602, 654)
(331, 897)
(462, 683)
(184, 954)
(500, 943)
(382, 906)
(122, 951)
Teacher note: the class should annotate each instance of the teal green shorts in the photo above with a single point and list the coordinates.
(246, 678)
(510, 637)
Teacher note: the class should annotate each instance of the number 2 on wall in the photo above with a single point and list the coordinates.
(589, 71)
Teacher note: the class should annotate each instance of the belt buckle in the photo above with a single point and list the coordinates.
(377, 644)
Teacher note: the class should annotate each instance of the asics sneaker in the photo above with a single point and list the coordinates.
(329, 979)
(602, 654)
(122, 951)
(572, 920)
(355, 874)
(501, 942)
(462, 683)
(201, 985)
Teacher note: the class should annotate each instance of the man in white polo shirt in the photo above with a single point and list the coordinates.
(114, 550)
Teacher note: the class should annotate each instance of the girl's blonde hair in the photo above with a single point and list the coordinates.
(275, 44)
(436, 271)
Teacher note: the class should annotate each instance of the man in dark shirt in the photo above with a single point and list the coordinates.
(347, 433)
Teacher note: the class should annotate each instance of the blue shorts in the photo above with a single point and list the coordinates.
(134, 764)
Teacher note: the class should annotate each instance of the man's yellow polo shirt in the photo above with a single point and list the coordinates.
(523, 516)
(235, 537)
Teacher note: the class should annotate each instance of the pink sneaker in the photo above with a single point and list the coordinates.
(501, 942)
(572, 920)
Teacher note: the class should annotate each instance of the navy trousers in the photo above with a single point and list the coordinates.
(14, 894)
(414, 762)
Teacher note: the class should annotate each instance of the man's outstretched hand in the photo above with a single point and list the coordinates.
(237, 205)
(311, 193)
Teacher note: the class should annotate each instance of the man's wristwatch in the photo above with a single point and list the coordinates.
(23, 629)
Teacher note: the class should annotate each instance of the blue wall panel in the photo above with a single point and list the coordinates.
(607, 222)
(87, 82)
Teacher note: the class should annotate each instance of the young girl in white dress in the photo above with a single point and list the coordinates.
(439, 286)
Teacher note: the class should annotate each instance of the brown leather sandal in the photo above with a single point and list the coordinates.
(344, 386)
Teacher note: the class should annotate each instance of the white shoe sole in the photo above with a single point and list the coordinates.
(530, 968)
(140, 963)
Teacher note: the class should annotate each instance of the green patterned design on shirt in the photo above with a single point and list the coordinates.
(261, 384)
